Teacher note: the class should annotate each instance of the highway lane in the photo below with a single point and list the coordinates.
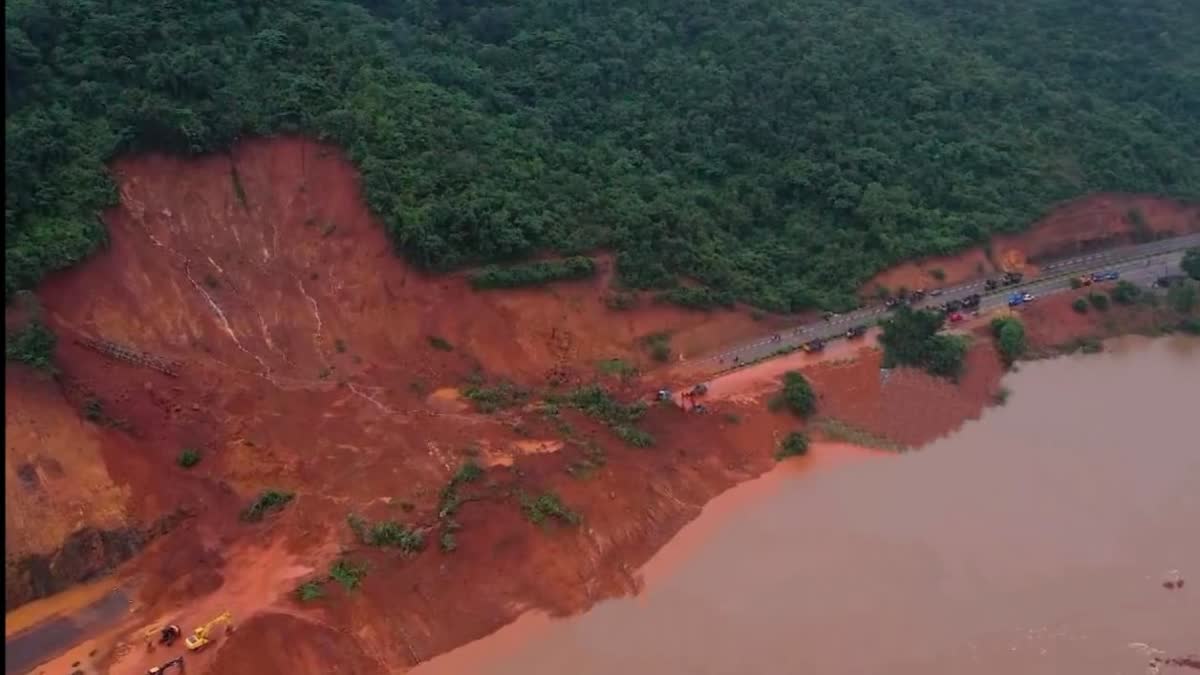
(1146, 261)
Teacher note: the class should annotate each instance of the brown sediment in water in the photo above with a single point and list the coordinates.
(306, 365)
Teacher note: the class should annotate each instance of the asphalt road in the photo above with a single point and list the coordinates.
(1141, 264)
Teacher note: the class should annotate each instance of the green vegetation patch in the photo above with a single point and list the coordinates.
(546, 507)
(1125, 293)
(347, 573)
(489, 399)
(1009, 333)
(701, 298)
(594, 401)
(440, 344)
(813, 156)
(267, 502)
(792, 445)
(1080, 306)
(534, 273)
(189, 457)
(839, 430)
(309, 591)
(1098, 301)
(1191, 263)
(797, 395)
(910, 338)
(32, 345)
(659, 346)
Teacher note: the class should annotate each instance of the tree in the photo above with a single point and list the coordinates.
(1080, 306)
(1010, 338)
(797, 394)
(910, 338)
(1125, 293)
(792, 445)
(1191, 263)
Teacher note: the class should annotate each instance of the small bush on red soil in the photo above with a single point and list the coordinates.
(1010, 338)
(493, 398)
(546, 506)
(792, 445)
(309, 591)
(440, 344)
(268, 501)
(1080, 305)
(1099, 301)
(659, 346)
(189, 458)
(347, 574)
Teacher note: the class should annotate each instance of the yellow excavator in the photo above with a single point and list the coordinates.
(203, 635)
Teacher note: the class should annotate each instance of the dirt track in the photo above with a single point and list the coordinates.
(306, 365)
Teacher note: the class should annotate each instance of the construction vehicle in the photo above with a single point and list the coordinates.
(664, 395)
(203, 635)
(156, 670)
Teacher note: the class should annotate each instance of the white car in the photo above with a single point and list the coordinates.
(1028, 297)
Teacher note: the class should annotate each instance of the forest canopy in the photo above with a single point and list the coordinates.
(776, 151)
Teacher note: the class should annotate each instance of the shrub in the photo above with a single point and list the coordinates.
(491, 399)
(267, 502)
(659, 345)
(1080, 305)
(1098, 300)
(347, 573)
(938, 273)
(1190, 326)
(546, 506)
(792, 445)
(1125, 293)
(617, 367)
(534, 273)
(391, 533)
(1010, 338)
(440, 344)
(33, 345)
(797, 394)
(447, 542)
(1076, 283)
(634, 436)
(309, 591)
(189, 458)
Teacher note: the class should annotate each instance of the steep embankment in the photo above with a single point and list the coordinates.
(305, 364)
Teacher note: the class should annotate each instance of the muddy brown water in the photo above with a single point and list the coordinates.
(1035, 541)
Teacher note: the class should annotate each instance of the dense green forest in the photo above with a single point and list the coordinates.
(776, 151)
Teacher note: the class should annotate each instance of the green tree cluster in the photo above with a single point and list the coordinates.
(775, 151)
(1191, 263)
(910, 338)
(534, 273)
(1010, 337)
(797, 394)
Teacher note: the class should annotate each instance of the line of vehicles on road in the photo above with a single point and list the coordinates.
(954, 310)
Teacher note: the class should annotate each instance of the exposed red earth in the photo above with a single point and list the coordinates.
(305, 364)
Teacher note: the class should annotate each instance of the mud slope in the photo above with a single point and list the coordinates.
(303, 360)
(297, 356)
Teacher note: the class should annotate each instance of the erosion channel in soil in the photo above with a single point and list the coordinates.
(1037, 540)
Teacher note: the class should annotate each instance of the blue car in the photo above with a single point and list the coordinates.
(1016, 299)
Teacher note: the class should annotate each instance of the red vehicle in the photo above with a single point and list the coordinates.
(956, 317)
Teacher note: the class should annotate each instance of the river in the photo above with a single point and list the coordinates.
(1033, 541)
